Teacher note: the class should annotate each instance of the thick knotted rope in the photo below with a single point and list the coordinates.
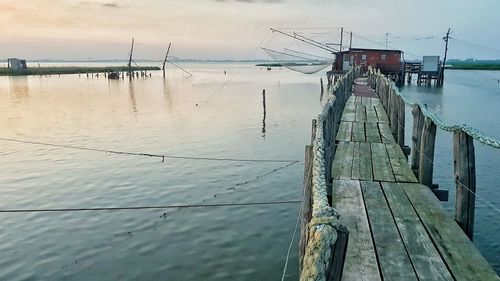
(322, 227)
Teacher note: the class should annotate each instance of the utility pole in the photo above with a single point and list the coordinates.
(165, 60)
(441, 73)
(350, 41)
(386, 39)
(130, 60)
(341, 36)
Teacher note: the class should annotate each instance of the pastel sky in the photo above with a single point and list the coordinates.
(216, 29)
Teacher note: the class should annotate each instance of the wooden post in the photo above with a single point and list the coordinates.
(418, 124)
(264, 101)
(313, 130)
(306, 214)
(401, 122)
(393, 113)
(321, 82)
(427, 152)
(339, 249)
(465, 177)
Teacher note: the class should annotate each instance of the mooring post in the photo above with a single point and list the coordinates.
(426, 163)
(306, 214)
(264, 101)
(418, 124)
(465, 178)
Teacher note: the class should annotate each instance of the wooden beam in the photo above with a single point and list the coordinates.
(465, 177)
(427, 152)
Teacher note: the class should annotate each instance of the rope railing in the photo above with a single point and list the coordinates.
(322, 229)
(425, 124)
(474, 133)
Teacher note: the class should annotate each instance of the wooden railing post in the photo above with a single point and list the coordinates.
(393, 112)
(465, 178)
(339, 249)
(313, 130)
(427, 152)
(401, 122)
(306, 203)
(418, 124)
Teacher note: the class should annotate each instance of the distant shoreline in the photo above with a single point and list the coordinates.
(473, 66)
(57, 70)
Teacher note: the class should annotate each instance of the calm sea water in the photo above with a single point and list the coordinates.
(473, 98)
(208, 115)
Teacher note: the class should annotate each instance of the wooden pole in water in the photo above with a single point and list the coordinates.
(165, 60)
(264, 101)
(465, 178)
(426, 163)
(418, 124)
(321, 82)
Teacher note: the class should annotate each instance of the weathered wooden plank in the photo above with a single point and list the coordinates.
(306, 203)
(393, 259)
(342, 163)
(426, 163)
(460, 255)
(358, 100)
(349, 113)
(358, 131)
(345, 131)
(400, 166)
(375, 101)
(381, 114)
(465, 177)
(366, 101)
(372, 132)
(362, 162)
(423, 254)
(361, 262)
(371, 114)
(360, 113)
(382, 169)
(385, 133)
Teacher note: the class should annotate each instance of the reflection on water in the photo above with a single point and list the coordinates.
(131, 93)
(19, 87)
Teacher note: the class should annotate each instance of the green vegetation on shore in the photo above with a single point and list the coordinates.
(72, 70)
(269, 64)
(473, 66)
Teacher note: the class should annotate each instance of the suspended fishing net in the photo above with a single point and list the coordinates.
(299, 61)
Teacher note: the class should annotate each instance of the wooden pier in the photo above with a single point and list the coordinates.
(397, 228)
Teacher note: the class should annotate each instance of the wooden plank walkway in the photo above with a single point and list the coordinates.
(397, 228)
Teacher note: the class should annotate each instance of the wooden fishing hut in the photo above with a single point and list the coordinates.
(390, 62)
